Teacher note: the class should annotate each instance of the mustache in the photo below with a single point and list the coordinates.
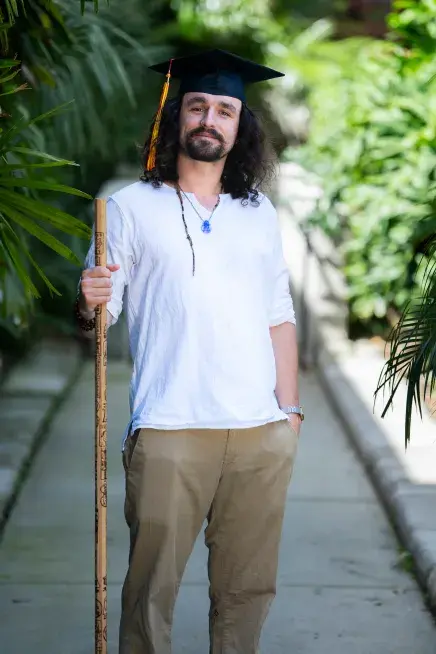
(207, 132)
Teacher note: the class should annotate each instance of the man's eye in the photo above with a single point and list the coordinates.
(197, 109)
(224, 113)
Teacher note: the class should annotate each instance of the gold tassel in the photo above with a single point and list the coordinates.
(151, 160)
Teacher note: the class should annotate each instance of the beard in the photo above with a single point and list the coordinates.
(204, 149)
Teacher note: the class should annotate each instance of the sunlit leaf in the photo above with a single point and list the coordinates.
(17, 249)
(56, 217)
(26, 182)
(47, 282)
(10, 247)
(8, 78)
(41, 155)
(35, 230)
(9, 63)
(413, 347)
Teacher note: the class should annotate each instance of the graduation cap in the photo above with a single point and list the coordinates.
(216, 72)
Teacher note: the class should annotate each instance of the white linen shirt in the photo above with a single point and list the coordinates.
(201, 347)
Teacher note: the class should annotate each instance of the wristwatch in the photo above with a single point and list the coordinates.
(293, 409)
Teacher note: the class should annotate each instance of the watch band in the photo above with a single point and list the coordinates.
(293, 409)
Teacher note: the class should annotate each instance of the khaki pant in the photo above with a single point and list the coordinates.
(175, 480)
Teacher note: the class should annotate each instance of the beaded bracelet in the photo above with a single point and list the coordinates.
(87, 324)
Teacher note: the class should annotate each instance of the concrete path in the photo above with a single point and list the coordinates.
(341, 590)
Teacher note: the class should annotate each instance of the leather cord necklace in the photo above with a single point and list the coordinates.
(205, 223)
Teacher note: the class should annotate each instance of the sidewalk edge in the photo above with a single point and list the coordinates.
(330, 349)
(21, 468)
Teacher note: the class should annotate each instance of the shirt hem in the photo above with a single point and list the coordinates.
(245, 424)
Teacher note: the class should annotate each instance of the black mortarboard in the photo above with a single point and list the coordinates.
(216, 72)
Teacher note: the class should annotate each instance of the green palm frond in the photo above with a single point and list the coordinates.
(13, 8)
(45, 212)
(21, 216)
(36, 42)
(49, 160)
(22, 212)
(413, 346)
(99, 65)
(84, 2)
(18, 254)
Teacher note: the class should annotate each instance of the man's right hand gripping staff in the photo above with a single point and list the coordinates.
(95, 289)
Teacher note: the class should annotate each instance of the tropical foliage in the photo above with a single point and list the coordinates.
(75, 89)
(373, 145)
(84, 97)
(68, 84)
(413, 348)
(25, 176)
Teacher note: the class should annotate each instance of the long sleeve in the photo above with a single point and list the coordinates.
(119, 251)
(282, 306)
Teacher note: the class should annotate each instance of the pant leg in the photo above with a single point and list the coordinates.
(243, 534)
(171, 478)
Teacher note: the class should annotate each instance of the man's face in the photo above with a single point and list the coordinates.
(208, 125)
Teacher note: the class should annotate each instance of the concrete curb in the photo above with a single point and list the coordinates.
(404, 479)
(30, 397)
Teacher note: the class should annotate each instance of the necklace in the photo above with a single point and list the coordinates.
(205, 223)
(205, 226)
(188, 236)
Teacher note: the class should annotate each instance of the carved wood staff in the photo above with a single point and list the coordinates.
(100, 443)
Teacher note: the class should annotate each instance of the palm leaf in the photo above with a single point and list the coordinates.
(17, 250)
(413, 347)
(103, 63)
(12, 8)
(9, 63)
(9, 242)
(20, 248)
(36, 230)
(51, 161)
(23, 145)
(27, 182)
(56, 217)
(9, 76)
(47, 282)
(22, 125)
(50, 113)
(25, 166)
(42, 155)
(83, 5)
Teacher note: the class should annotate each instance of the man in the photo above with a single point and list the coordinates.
(214, 400)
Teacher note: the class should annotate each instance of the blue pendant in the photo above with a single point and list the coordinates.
(206, 228)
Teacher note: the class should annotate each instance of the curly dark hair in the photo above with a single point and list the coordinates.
(249, 165)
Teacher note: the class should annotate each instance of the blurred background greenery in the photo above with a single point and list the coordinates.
(356, 108)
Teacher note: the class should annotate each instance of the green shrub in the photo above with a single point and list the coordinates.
(93, 63)
(373, 145)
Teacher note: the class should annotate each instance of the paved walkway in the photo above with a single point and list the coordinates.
(340, 588)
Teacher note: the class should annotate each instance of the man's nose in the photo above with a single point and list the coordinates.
(208, 119)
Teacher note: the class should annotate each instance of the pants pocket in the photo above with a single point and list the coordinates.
(129, 448)
(288, 424)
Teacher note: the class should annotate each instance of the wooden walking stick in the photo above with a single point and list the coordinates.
(100, 443)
